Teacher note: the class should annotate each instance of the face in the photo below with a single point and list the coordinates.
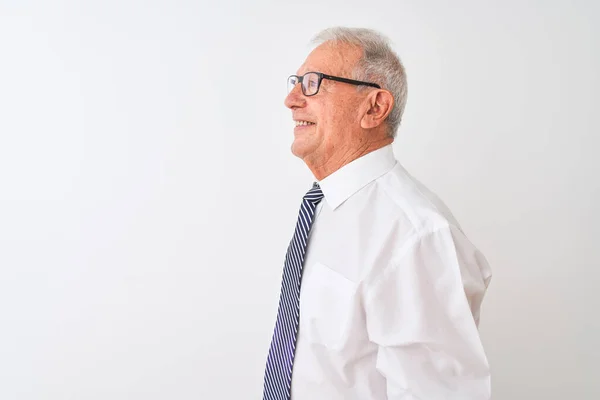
(333, 114)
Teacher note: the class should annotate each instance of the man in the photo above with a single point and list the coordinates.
(381, 289)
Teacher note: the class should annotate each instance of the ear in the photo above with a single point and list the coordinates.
(379, 105)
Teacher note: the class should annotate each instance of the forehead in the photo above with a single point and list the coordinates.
(332, 58)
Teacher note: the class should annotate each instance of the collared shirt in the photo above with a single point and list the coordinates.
(390, 294)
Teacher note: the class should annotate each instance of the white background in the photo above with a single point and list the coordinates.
(147, 190)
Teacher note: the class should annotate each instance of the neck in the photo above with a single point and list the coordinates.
(328, 165)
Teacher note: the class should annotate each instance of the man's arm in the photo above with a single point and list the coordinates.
(423, 313)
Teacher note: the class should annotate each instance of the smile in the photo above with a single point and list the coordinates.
(303, 123)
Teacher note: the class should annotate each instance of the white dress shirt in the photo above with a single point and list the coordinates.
(390, 295)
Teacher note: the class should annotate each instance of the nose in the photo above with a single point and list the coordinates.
(295, 98)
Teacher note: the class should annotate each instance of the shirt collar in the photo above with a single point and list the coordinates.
(343, 183)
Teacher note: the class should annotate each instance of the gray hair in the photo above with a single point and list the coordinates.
(378, 64)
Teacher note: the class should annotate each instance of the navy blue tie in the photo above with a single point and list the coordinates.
(278, 372)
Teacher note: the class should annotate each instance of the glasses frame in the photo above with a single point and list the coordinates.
(331, 78)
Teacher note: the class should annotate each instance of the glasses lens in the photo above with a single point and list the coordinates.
(292, 82)
(310, 83)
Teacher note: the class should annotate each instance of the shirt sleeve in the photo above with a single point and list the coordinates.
(423, 313)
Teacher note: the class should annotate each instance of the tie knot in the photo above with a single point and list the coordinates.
(314, 195)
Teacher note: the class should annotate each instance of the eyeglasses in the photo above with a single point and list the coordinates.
(311, 82)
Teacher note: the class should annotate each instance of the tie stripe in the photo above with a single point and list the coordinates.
(280, 361)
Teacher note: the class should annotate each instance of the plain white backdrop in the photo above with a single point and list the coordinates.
(148, 194)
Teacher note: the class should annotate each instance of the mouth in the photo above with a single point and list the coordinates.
(302, 124)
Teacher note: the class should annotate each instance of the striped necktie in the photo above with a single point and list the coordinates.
(278, 373)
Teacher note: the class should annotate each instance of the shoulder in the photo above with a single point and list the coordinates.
(407, 201)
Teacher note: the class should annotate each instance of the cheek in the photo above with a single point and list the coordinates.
(335, 114)
(344, 114)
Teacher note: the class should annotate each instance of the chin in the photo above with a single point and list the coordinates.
(301, 149)
(296, 150)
